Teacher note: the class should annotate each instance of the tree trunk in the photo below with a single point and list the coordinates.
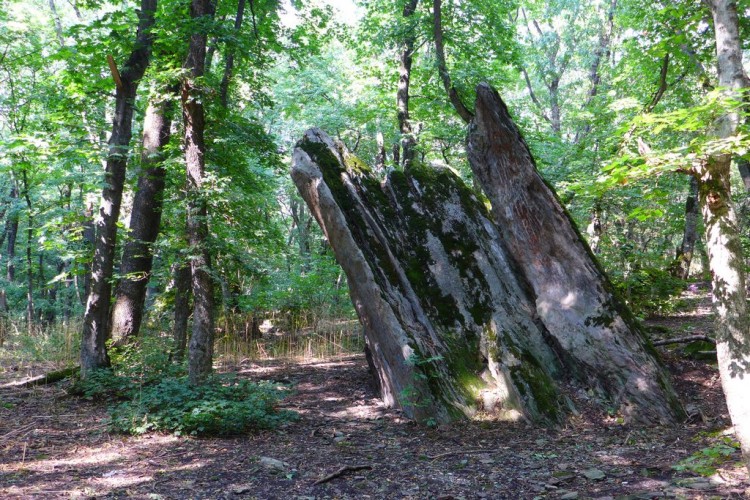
(30, 320)
(594, 229)
(95, 322)
(450, 90)
(602, 343)
(723, 236)
(684, 256)
(449, 328)
(602, 52)
(145, 221)
(11, 225)
(181, 308)
(408, 140)
(89, 238)
(200, 356)
(229, 57)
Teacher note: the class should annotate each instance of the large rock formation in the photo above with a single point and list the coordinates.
(604, 346)
(452, 321)
(450, 328)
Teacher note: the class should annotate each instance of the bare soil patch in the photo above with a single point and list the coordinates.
(53, 445)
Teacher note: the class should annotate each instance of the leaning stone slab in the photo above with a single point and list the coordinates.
(600, 343)
(451, 328)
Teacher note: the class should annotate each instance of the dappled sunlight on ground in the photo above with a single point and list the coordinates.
(56, 446)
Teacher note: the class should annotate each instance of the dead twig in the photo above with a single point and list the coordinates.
(457, 452)
(341, 472)
(685, 340)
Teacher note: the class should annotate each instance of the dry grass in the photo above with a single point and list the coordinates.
(57, 346)
(328, 339)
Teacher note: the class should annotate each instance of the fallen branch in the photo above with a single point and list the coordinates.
(685, 340)
(49, 378)
(457, 452)
(341, 472)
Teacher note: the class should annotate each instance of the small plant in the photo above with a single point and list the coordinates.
(152, 394)
(222, 406)
(704, 462)
(649, 291)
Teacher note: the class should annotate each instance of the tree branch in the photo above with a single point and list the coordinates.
(459, 106)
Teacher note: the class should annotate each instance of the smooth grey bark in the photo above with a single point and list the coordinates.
(145, 222)
(603, 344)
(684, 256)
(200, 354)
(95, 322)
(722, 233)
(449, 327)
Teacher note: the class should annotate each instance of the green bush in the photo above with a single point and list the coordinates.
(221, 406)
(149, 393)
(649, 291)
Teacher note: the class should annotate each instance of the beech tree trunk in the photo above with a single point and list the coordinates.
(95, 322)
(200, 355)
(723, 236)
(145, 221)
(603, 346)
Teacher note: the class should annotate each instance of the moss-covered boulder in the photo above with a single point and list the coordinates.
(451, 328)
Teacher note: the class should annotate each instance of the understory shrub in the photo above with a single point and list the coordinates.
(221, 406)
(706, 461)
(150, 393)
(649, 291)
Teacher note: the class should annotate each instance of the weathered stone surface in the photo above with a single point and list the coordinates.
(450, 327)
(464, 310)
(603, 345)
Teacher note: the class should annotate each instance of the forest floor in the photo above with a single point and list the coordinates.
(53, 445)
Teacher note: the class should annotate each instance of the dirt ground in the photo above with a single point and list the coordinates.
(53, 445)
